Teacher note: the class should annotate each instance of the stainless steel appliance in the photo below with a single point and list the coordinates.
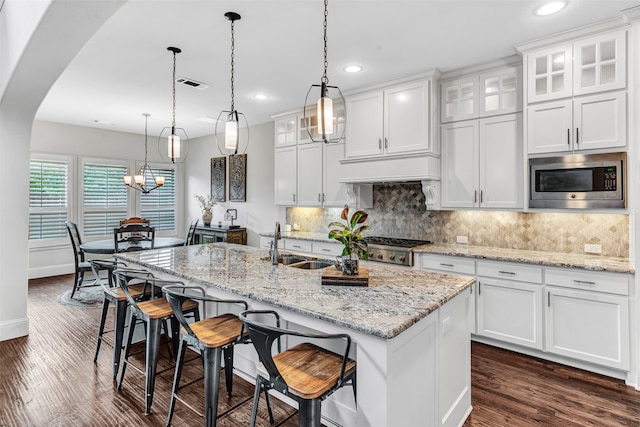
(392, 250)
(594, 181)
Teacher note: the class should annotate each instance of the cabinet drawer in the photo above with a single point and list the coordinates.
(327, 249)
(519, 272)
(451, 264)
(296, 245)
(597, 282)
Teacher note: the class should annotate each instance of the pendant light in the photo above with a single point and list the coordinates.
(328, 125)
(231, 119)
(176, 147)
(137, 181)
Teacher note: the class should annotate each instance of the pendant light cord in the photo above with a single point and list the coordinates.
(146, 119)
(232, 65)
(325, 79)
(173, 120)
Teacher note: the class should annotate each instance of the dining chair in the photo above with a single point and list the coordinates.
(305, 372)
(155, 313)
(134, 220)
(191, 233)
(212, 337)
(81, 265)
(133, 237)
(113, 296)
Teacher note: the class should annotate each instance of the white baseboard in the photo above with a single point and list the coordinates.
(14, 329)
(51, 270)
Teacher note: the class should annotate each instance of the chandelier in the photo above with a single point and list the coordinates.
(145, 173)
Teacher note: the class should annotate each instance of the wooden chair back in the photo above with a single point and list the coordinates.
(133, 237)
(76, 241)
(134, 220)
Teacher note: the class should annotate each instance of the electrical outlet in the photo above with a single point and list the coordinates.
(462, 239)
(593, 249)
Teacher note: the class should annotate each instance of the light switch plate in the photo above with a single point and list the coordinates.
(592, 249)
(462, 239)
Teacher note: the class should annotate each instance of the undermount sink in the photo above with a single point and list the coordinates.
(288, 259)
(313, 264)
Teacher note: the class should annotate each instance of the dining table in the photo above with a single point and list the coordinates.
(107, 246)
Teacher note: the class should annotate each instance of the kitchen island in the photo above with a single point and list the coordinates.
(409, 328)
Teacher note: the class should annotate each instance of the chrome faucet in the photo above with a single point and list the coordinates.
(273, 251)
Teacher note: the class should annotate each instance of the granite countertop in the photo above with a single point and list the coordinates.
(550, 259)
(394, 300)
(303, 235)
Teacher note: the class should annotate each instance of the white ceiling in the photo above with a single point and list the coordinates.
(125, 69)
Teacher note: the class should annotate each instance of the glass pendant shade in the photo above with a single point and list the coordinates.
(325, 115)
(159, 180)
(173, 145)
(231, 133)
(127, 180)
(139, 178)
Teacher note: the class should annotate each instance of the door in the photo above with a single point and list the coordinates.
(549, 73)
(310, 174)
(588, 326)
(459, 164)
(406, 118)
(549, 127)
(600, 63)
(364, 125)
(510, 311)
(285, 131)
(500, 92)
(600, 121)
(459, 99)
(501, 162)
(285, 175)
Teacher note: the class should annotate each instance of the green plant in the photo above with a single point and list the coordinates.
(349, 233)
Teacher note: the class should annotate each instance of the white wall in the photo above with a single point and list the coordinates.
(258, 214)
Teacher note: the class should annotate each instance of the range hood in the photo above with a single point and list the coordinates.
(360, 174)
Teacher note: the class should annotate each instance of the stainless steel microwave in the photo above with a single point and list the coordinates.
(594, 181)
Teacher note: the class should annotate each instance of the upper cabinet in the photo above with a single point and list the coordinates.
(286, 131)
(590, 65)
(490, 93)
(576, 98)
(395, 120)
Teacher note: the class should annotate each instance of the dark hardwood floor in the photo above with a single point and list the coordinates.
(49, 379)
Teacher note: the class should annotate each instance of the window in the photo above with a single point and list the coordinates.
(104, 196)
(159, 206)
(48, 198)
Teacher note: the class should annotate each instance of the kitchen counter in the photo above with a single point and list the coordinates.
(551, 259)
(303, 235)
(409, 328)
(394, 300)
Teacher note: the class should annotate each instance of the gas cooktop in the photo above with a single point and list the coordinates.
(392, 250)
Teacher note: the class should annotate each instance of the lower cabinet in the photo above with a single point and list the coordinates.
(205, 235)
(579, 315)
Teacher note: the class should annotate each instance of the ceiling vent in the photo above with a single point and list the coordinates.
(191, 83)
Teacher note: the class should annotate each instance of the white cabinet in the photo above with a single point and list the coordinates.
(588, 317)
(589, 122)
(286, 131)
(490, 93)
(326, 249)
(459, 99)
(454, 265)
(395, 120)
(334, 192)
(509, 303)
(482, 163)
(310, 174)
(590, 65)
(285, 175)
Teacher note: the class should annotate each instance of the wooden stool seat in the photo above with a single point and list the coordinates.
(159, 308)
(217, 331)
(309, 370)
(136, 291)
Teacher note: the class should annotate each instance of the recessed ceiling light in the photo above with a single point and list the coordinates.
(353, 68)
(550, 8)
(261, 96)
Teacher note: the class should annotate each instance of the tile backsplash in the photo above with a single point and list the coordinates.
(399, 211)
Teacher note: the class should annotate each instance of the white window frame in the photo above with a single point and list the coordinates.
(61, 241)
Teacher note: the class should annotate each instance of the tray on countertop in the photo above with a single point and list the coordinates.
(333, 276)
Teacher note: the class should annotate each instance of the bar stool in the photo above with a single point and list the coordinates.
(211, 337)
(305, 373)
(114, 295)
(154, 313)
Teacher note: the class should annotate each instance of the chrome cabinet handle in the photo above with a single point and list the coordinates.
(323, 198)
(568, 136)
(479, 288)
(506, 272)
(319, 197)
(446, 265)
(475, 196)
(583, 282)
(548, 299)
(294, 197)
(386, 143)
(577, 136)
(481, 191)
(379, 143)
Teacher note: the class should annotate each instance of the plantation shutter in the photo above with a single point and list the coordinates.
(48, 199)
(104, 198)
(159, 206)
